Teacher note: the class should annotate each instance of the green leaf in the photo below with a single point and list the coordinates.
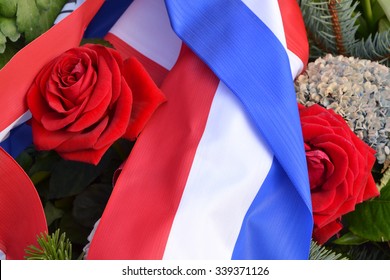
(363, 28)
(350, 239)
(88, 206)
(39, 176)
(77, 233)
(3, 40)
(10, 51)
(35, 17)
(9, 29)
(8, 8)
(383, 25)
(71, 177)
(377, 11)
(43, 165)
(52, 213)
(370, 219)
(385, 4)
(98, 41)
(25, 160)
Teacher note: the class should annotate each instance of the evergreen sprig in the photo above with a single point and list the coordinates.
(319, 252)
(332, 27)
(51, 247)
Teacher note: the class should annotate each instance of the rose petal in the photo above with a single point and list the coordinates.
(115, 63)
(36, 103)
(340, 161)
(347, 159)
(347, 206)
(147, 97)
(315, 120)
(371, 190)
(321, 235)
(92, 156)
(321, 200)
(98, 101)
(89, 118)
(311, 131)
(56, 100)
(119, 121)
(54, 121)
(102, 91)
(47, 140)
(84, 140)
(320, 167)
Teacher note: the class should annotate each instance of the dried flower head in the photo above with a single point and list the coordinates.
(358, 90)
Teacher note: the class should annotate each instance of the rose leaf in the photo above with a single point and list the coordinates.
(77, 233)
(72, 177)
(350, 239)
(89, 205)
(370, 219)
(52, 213)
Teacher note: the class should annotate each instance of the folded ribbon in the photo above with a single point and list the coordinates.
(191, 187)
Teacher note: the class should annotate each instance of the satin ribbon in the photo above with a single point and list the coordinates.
(21, 213)
(106, 18)
(244, 53)
(142, 206)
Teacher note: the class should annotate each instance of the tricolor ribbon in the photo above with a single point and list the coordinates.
(219, 172)
(201, 182)
(247, 56)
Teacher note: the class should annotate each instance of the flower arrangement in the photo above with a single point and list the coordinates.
(354, 94)
(89, 94)
(348, 76)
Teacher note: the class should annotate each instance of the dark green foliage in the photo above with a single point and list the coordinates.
(73, 194)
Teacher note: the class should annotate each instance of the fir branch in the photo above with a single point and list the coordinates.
(332, 23)
(332, 27)
(319, 252)
(369, 251)
(51, 247)
(375, 48)
(336, 27)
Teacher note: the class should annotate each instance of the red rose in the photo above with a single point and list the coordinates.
(339, 165)
(87, 98)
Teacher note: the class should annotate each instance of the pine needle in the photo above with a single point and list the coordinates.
(51, 247)
(319, 252)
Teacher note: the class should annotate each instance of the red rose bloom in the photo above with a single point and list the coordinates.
(339, 165)
(85, 99)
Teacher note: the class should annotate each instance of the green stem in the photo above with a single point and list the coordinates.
(367, 9)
